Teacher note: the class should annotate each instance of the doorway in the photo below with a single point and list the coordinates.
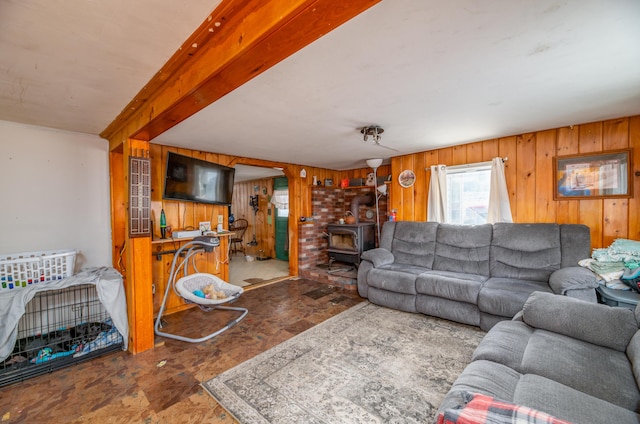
(254, 259)
(281, 201)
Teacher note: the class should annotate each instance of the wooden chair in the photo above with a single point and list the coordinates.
(239, 227)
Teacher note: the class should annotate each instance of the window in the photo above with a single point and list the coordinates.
(280, 199)
(468, 194)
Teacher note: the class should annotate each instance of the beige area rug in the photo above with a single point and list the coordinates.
(368, 364)
(246, 273)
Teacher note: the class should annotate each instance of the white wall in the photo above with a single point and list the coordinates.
(54, 192)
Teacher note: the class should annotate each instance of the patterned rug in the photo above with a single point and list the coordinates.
(368, 364)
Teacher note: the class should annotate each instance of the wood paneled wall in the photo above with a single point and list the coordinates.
(529, 173)
(185, 215)
(181, 216)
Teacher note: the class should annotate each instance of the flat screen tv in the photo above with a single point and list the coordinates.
(196, 180)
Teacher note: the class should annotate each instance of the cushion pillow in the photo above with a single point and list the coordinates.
(481, 408)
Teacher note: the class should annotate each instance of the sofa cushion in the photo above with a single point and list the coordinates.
(567, 403)
(633, 353)
(596, 370)
(463, 248)
(414, 243)
(594, 323)
(487, 321)
(393, 300)
(506, 296)
(392, 280)
(505, 343)
(489, 378)
(525, 251)
(501, 382)
(562, 359)
(453, 310)
(386, 236)
(410, 269)
(483, 409)
(575, 243)
(450, 285)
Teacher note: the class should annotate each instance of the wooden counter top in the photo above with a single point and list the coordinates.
(173, 240)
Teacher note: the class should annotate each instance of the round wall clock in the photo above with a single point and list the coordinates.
(407, 178)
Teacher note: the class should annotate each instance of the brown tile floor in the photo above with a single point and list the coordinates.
(125, 388)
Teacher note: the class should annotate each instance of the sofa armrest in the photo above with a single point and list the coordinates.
(379, 257)
(572, 278)
(590, 322)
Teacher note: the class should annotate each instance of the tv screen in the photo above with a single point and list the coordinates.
(195, 180)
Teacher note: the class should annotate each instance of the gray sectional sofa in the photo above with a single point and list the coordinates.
(478, 275)
(575, 360)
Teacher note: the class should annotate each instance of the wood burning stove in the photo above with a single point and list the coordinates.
(348, 241)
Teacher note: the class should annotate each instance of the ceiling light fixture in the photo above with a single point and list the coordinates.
(374, 131)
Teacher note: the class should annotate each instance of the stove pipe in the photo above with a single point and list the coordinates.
(368, 199)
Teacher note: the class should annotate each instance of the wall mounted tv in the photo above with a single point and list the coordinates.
(195, 180)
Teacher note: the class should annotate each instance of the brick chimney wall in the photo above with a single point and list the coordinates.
(329, 204)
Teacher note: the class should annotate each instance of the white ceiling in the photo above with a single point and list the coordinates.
(75, 64)
(431, 73)
(248, 173)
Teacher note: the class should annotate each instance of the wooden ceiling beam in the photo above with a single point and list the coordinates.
(237, 42)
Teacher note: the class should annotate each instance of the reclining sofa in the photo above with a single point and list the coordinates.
(573, 360)
(477, 275)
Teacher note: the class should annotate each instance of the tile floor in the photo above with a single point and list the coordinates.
(163, 385)
(245, 273)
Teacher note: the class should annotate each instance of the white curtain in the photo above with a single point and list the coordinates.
(499, 208)
(437, 199)
(280, 198)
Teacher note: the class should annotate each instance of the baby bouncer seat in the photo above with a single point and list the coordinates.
(188, 284)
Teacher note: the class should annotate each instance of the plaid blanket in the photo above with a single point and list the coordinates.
(482, 409)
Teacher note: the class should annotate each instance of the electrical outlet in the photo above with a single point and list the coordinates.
(204, 226)
(220, 219)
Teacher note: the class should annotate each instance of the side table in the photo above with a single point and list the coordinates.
(623, 298)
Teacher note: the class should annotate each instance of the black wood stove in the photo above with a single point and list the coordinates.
(348, 241)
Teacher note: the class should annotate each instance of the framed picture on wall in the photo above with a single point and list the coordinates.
(593, 175)
(406, 178)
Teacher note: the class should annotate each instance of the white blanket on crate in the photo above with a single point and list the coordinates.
(110, 290)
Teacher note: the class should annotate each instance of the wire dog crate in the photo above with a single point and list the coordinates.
(60, 328)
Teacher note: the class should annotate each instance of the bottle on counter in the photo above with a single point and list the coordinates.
(163, 224)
